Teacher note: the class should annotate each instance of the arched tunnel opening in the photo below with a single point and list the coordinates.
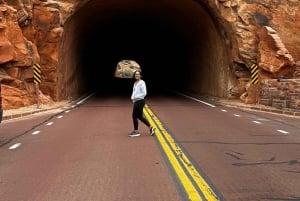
(160, 50)
(177, 46)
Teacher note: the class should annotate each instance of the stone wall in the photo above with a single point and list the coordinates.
(281, 93)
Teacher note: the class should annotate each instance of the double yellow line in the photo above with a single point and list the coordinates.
(193, 183)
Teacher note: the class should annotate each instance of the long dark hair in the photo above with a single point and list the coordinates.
(133, 75)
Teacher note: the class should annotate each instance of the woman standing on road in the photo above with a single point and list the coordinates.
(138, 98)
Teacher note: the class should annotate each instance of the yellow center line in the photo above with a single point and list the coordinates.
(168, 144)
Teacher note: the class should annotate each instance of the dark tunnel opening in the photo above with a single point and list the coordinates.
(159, 49)
(176, 44)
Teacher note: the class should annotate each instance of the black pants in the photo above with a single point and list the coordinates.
(137, 113)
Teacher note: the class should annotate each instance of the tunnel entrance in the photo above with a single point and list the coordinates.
(176, 44)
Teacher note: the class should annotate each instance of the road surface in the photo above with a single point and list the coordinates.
(201, 152)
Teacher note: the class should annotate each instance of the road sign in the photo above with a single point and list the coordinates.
(254, 73)
(37, 73)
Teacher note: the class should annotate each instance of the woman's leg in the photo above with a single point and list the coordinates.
(141, 104)
(138, 114)
(135, 113)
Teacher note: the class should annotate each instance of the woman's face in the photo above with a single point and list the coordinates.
(137, 75)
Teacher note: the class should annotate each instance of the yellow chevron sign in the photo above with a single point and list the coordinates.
(254, 74)
(37, 73)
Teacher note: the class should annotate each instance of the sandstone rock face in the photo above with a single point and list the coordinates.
(259, 32)
(263, 33)
(29, 33)
(274, 59)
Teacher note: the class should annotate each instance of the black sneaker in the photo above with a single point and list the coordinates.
(133, 134)
(152, 131)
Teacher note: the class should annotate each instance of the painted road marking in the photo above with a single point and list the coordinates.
(193, 183)
(284, 132)
(257, 122)
(200, 101)
(59, 117)
(49, 124)
(36, 132)
(81, 101)
(15, 146)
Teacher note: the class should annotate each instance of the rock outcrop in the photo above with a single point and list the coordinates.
(259, 32)
(263, 33)
(29, 33)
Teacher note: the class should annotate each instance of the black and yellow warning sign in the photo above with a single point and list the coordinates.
(254, 73)
(37, 73)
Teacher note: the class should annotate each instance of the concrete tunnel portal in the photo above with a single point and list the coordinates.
(177, 46)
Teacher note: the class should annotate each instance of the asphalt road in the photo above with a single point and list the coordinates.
(84, 153)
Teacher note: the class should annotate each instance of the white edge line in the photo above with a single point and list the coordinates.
(79, 102)
(197, 100)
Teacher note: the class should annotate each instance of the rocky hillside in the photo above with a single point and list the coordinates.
(260, 32)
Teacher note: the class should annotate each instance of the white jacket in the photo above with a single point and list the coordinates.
(139, 91)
